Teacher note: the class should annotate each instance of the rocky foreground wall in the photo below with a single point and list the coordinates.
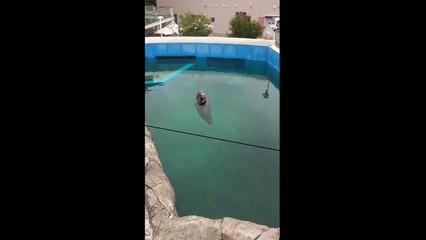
(162, 221)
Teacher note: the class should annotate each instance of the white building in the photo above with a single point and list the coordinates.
(221, 12)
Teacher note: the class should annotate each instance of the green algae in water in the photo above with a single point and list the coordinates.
(211, 178)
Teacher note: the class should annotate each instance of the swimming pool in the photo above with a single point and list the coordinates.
(213, 178)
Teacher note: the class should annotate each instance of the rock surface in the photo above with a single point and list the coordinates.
(148, 228)
(190, 227)
(159, 194)
(237, 229)
(163, 223)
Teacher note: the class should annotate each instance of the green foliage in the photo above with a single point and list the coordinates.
(194, 25)
(242, 27)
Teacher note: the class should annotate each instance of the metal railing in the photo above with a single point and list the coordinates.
(151, 17)
(149, 9)
(277, 38)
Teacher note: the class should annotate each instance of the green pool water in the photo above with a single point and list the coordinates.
(211, 178)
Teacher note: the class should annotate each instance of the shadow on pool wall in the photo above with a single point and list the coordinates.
(224, 65)
(205, 53)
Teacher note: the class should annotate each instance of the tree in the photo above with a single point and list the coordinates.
(241, 27)
(194, 25)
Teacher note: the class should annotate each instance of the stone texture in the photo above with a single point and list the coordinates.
(163, 223)
(200, 228)
(159, 194)
(244, 230)
(190, 228)
(148, 228)
(271, 234)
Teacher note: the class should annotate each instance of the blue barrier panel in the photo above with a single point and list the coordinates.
(188, 49)
(244, 51)
(148, 51)
(202, 50)
(274, 59)
(160, 49)
(216, 50)
(174, 49)
(230, 51)
(260, 53)
(219, 50)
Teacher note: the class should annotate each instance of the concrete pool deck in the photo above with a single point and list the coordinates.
(162, 221)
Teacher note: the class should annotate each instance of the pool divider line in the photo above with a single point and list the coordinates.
(220, 139)
(170, 75)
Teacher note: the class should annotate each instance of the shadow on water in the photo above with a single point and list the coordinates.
(216, 64)
(205, 112)
(225, 63)
(150, 78)
(150, 87)
(167, 64)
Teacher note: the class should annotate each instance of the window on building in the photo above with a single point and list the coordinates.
(212, 19)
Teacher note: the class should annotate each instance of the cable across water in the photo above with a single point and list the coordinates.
(214, 138)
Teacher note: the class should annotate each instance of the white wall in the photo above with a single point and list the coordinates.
(223, 14)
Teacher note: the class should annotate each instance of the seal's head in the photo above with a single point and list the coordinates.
(201, 98)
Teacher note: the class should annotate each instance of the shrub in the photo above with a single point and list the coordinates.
(194, 25)
(242, 27)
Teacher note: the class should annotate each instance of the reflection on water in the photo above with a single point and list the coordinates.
(151, 87)
(266, 94)
(218, 65)
(205, 112)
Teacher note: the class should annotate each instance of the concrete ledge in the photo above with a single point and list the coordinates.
(226, 40)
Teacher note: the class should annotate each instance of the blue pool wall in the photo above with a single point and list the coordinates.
(218, 50)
